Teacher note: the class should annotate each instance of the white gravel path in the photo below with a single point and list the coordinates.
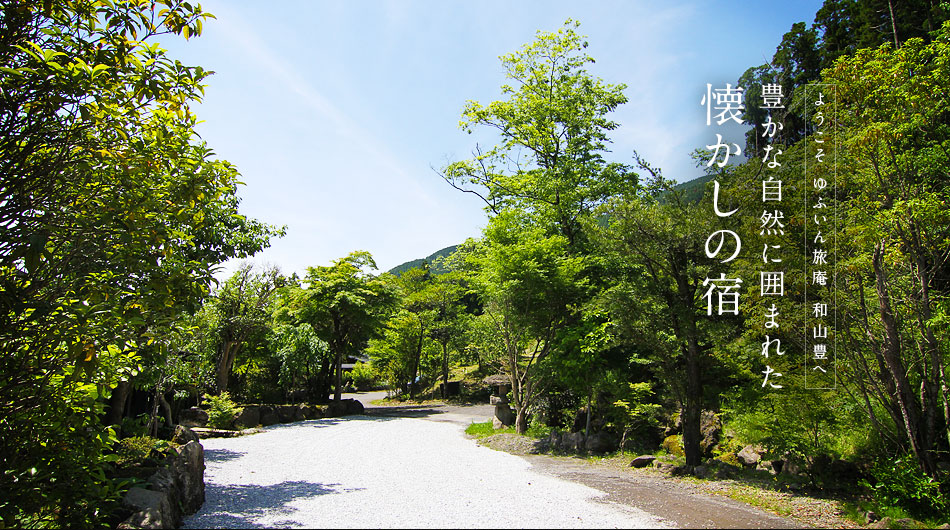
(364, 471)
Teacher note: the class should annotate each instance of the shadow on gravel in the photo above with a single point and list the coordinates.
(371, 414)
(221, 455)
(236, 505)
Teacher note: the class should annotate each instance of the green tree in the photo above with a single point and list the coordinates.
(346, 305)
(112, 217)
(242, 311)
(526, 281)
(300, 352)
(893, 115)
(553, 129)
(659, 241)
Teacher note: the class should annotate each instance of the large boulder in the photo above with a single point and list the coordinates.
(573, 442)
(250, 416)
(151, 509)
(193, 417)
(286, 413)
(344, 407)
(268, 415)
(175, 490)
(600, 443)
(183, 435)
(750, 455)
(675, 426)
(354, 406)
(710, 427)
(642, 461)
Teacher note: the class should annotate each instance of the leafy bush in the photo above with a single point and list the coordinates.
(221, 410)
(363, 376)
(134, 450)
(900, 483)
(674, 445)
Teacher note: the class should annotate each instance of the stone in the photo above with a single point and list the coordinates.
(676, 427)
(190, 468)
(354, 406)
(726, 470)
(498, 400)
(250, 416)
(344, 407)
(175, 490)
(679, 471)
(777, 465)
(845, 471)
(554, 440)
(504, 416)
(152, 509)
(665, 467)
(710, 427)
(750, 455)
(701, 471)
(573, 442)
(268, 415)
(193, 417)
(183, 435)
(886, 522)
(286, 413)
(642, 461)
(452, 388)
(600, 442)
(871, 517)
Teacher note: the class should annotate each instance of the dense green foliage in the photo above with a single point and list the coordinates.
(113, 215)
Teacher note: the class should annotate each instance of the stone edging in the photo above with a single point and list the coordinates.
(172, 492)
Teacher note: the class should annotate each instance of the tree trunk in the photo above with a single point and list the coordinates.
(521, 420)
(117, 402)
(415, 363)
(166, 408)
(229, 352)
(337, 393)
(693, 410)
(445, 368)
(587, 427)
(909, 407)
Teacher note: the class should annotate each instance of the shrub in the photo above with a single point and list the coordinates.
(133, 450)
(363, 376)
(674, 445)
(900, 483)
(221, 410)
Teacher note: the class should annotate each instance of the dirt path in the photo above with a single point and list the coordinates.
(682, 504)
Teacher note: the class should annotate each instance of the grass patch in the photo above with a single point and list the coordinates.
(480, 430)
(484, 429)
(759, 498)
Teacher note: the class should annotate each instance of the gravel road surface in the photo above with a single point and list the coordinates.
(389, 471)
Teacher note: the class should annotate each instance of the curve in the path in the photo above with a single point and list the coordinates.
(381, 471)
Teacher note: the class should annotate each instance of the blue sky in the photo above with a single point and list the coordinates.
(336, 112)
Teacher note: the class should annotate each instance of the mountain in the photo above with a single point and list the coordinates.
(693, 192)
(434, 268)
